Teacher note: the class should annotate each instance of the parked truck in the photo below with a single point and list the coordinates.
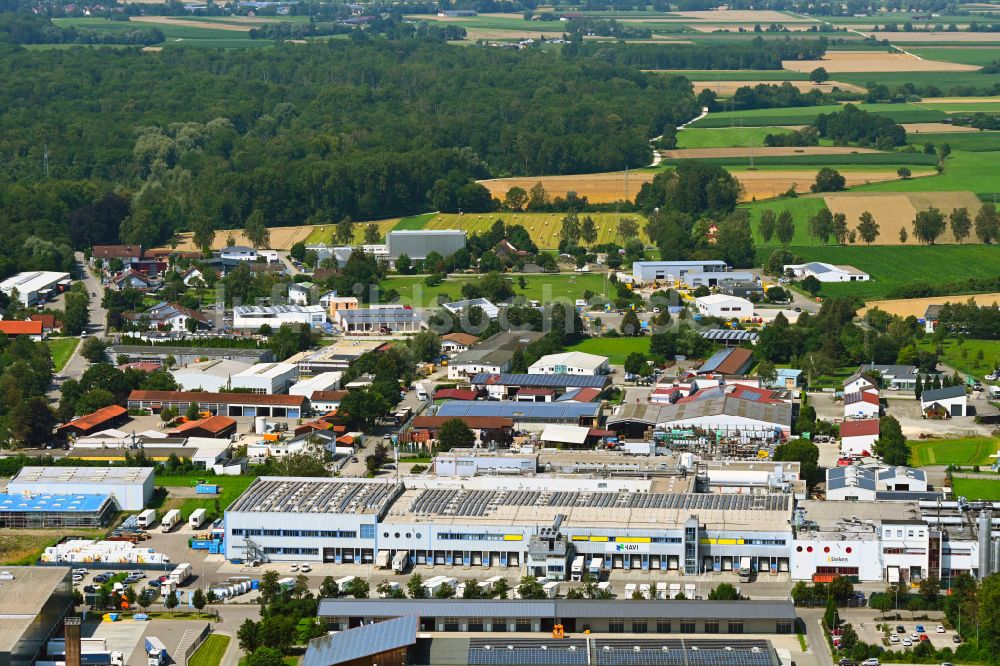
(399, 561)
(146, 519)
(745, 570)
(596, 565)
(156, 651)
(576, 571)
(180, 574)
(196, 518)
(170, 520)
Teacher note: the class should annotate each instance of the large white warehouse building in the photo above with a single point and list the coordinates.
(132, 487)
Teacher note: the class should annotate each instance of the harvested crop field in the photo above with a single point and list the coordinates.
(746, 27)
(727, 88)
(936, 128)
(204, 25)
(904, 307)
(874, 61)
(282, 238)
(608, 187)
(893, 212)
(762, 151)
(542, 227)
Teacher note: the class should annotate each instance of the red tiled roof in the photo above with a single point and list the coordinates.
(21, 327)
(145, 366)
(534, 391)
(328, 396)
(733, 364)
(119, 251)
(765, 396)
(455, 394)
(95, 419)
(597, 432)
(461, 338)
(48, 321)
(213, 424)
(586, 394)
(222, 398)
(859, 428)
(475, 422)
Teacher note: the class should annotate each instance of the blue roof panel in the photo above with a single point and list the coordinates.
(543, 381)
(10, 503)
(515, 410)
(361, 642)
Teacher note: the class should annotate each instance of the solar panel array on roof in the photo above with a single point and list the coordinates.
(269, 494)
(729, 335)
(364, 641)
(817, 267)
(542, 381)
(525, 652)
(678, 652)
(568, 412)
(461, 502)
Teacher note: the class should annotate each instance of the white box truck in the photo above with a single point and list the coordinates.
(156, 651)
(172, 518)
(745, 570)
(596, 565)
(400, 560)
(196, 518)
(551, 589)
(146, 519)
(576, 569)
(180, 574)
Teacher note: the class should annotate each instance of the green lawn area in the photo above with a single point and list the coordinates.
(901, 113)
(964, 357)
(61, 349)
(860, 161)
(976, 142)
(984, 106)
(964, 172)
(544, 288)
(211, 651)
(892, 266)
(963, 451)
(976, 489)
(834, 379)
(616, 349)
(232, 487)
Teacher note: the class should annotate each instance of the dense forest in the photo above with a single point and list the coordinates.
(756, 54)
(24, 28)
(365, 128)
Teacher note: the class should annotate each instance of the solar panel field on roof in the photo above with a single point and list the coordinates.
(675, 652)
(542, 381)
(542, 411)
(526, 652)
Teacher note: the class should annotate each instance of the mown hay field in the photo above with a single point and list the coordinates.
(894, 212)
(868, 61)
(543, 228)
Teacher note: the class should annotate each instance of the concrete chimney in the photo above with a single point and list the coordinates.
(986, 563)
(71, 627)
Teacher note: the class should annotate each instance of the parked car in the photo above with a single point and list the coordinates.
(955, 638)
(295, 568)
(915, 636)
(919, 629)
(900, 629)
(138, 574)
(846, 662)
(940, 629)
(923, 638)
(871, 662)
(305, 568)
(154, 583)
(89, 589)
(907, 642)
(894, 638)
(102, 578)
(80, 572)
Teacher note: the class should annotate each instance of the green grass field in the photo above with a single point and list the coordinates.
(544, 288)
(892, 266)
(61, 349)
(965, 357)
(901, 113)
(232, 488)
(414, 221)
(964, 172)
(833, 161)
(962, 107)
(616, 349)
(963, 451)
(543, 227)
(966, 56)
(976, 489)
(210, 652)
(976, 142)
(943, 81)
(725, 137)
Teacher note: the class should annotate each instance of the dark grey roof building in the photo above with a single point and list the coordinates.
(418, 243)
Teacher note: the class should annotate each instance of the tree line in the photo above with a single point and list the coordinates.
(25, 28)
(756, 54)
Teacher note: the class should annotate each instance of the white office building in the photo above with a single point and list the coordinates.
(724, 306)
(252, 317)
(827, 272)
(267, 378)
(325, 381)
(570, 363)
(214, 376)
